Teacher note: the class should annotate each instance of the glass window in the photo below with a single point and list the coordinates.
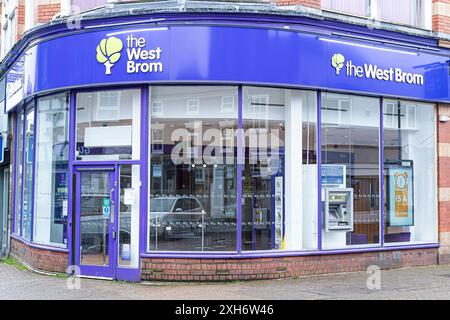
(129, 186)
(19, 173)
(409, 137)
(409, 12)
(2, 89)
(280, 163)
(350, 170)
(356, 7)
(28, 174)
(108, 125)
(193, 191)
(51, 178)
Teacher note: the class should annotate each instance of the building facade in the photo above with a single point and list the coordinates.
(199, 141)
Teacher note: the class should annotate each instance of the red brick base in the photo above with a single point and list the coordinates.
(275, 268)
(39, 259)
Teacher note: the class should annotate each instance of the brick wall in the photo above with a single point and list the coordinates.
(44, 260)
(441, 16)
(275, 268)
(20, 20)
(307, 3)
(444, 184)
(43, 13)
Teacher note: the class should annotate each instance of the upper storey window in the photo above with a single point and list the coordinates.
(406, 12)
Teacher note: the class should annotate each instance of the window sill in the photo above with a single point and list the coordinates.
(275, 254)
(40, 246)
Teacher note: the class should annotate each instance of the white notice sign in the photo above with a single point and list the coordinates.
(129, 197)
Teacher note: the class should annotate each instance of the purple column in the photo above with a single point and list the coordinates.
(319, 170)
(33, 175)
(240, 161)
(381, 146)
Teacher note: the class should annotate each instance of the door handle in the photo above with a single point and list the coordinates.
(111, 198)
(114, 235)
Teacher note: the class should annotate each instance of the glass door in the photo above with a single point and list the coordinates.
(95, 225)
(107, 221)
(128, 208)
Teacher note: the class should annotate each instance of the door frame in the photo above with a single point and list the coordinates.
(114, 271)
(107, 272)
(121, 273)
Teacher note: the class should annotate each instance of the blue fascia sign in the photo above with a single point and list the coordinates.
(234, 55)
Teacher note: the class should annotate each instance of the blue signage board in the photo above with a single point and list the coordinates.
(401, 201)
(235, 55)
(333, 175)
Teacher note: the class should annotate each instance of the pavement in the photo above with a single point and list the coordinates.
(431, 282)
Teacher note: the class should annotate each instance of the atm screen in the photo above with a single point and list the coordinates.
(338, 197)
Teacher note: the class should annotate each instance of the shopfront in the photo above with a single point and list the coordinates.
(189, 142)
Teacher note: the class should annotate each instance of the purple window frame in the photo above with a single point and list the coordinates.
(145, 91)
(73, 163)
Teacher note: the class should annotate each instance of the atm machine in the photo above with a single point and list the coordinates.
(338, 209)
(337, 206)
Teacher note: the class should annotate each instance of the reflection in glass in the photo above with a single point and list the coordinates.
(280, 163)
(28, 175)
(193, 169)
(129, 186)
(350, 142)
(108, 125)
(409, 138)
(263, 173)
(19, 173)
(52, 172)
(94, 225)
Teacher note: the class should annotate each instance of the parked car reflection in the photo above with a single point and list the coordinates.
(176, 217)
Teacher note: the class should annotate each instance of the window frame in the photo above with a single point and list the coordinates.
(67, 95)
(418, 16)
(145, 171)
(25, 108)
(380, 246)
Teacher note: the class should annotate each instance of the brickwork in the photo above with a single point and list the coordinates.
(316, 4)
(444, 184)
(45, 12)
(276, 268)
(40, 259)
(20, 20)
(441, 16)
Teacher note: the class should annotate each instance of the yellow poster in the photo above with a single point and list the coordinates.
(401, 195)
(401, 201)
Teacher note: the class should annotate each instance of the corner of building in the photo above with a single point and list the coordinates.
(444, 182)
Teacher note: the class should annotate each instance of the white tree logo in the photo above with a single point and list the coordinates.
(337, 61)
(108, 52)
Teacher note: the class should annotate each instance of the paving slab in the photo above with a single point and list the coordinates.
(431, 282)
